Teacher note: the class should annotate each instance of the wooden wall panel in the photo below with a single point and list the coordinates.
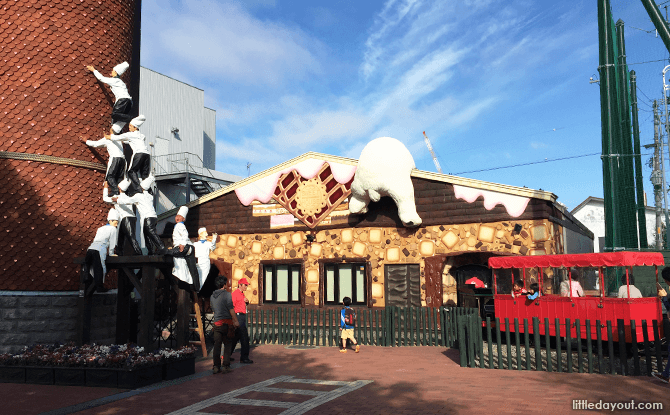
(435, 202)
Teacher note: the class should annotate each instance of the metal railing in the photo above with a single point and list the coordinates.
(182, 163)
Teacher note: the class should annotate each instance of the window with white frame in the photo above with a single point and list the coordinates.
(345, 280)
(281, 283)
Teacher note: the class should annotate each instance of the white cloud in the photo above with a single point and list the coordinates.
(221, 40)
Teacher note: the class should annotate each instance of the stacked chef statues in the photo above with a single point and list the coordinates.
(129, 188)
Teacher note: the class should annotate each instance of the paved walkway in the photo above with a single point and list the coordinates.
(407, 380)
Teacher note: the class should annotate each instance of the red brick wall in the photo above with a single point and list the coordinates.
(50, 212)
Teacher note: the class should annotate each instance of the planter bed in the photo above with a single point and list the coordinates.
(100, 377)
(12, 374)
(179, 368)
(123, 366)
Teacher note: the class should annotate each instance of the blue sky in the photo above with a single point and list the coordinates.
(493, 83)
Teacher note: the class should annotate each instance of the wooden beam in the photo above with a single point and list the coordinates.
(132, 277)
(183, 311)
(122, 310)
(148, 293)
(84, 308)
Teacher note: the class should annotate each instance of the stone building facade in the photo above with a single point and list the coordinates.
(289, 231)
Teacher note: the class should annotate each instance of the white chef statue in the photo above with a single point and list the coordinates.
(116, 165)
(202, 249)
(96, 255)
(127, 222)
(140, 162)
(183, 252)
(144, 202)
(123, 103)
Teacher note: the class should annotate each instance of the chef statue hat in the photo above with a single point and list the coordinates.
(138, 121)
(112, 215)
(118, 126)
(183, 211)
(148, 182)
(121, 68)
(201, 230)
(123, 184)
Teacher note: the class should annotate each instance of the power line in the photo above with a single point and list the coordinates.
(550, 160)
(645, 95)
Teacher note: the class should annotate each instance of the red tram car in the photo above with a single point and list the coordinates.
(595, 305)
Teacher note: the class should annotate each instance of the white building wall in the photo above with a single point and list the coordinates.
(592, 215)
(167, 104)
(209, 138)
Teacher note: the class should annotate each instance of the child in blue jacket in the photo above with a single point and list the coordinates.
(347, 325)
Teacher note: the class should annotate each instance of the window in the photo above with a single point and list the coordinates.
(281, 283)
(345, 280)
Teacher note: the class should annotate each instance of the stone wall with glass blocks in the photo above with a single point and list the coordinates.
(380, 246)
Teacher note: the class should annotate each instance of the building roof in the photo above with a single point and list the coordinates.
(440, 177)
(592, 199)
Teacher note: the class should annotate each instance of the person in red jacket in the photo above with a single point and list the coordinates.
(240, 302)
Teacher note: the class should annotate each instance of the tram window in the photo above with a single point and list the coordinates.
(586, 277)
(504, 278)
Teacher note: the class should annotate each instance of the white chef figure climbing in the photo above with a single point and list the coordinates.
(123, 103)
(140, 162)
(202, 249)
(116, 165)
(183, 252)
(96, 255)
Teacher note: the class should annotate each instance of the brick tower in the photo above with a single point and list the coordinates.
(50, 181)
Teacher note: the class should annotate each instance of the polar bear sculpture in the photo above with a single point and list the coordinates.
(384, 169)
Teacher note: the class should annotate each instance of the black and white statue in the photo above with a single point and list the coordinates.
(140, 162)
(127, 223)
(183, 252)
(144, 202)
(202, 249)
(116, 165)
(123, 103)
(96, 255)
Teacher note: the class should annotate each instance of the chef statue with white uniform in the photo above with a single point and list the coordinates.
(183, 252)
(145, 206)
(123, 103)
(127, 222)
(140, 162)
(96, 255)
(202, 249)
(116, 165)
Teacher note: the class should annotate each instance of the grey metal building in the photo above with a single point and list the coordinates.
(181, 133)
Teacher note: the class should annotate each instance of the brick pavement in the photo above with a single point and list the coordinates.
(408, 380)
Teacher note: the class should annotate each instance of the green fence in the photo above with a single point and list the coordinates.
(503, 347)
(390, 327)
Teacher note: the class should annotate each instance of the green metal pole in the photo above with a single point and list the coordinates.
(608, 115)
(658, 20)
(639, 184)
(627, 210)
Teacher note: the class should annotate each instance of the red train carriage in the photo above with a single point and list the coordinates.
(597, 304)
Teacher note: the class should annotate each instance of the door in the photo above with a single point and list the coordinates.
(403, 285)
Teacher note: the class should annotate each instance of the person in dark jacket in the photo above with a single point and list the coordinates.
(225, 325)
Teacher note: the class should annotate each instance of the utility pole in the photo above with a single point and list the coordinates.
(665, 185)
(657, 176)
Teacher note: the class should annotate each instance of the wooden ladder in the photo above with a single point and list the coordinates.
(199, 329)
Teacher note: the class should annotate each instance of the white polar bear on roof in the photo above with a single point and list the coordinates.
(384, 169)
